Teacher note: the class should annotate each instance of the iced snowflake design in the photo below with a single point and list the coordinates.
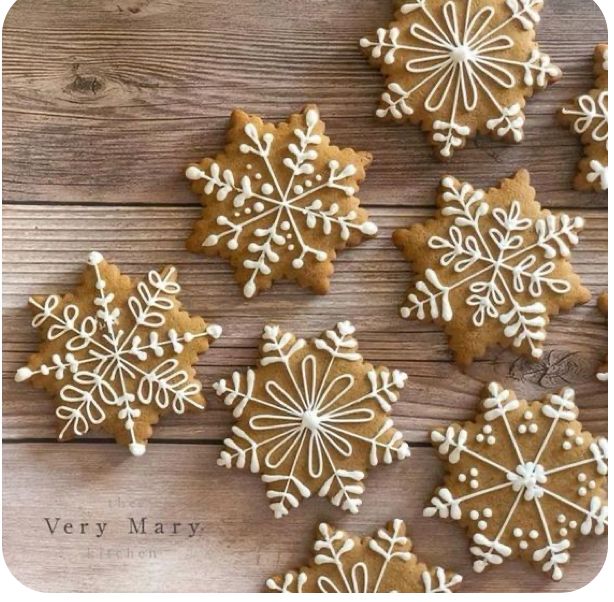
(344, 563)
(587, 116)
(280, 202)
(118, 357)
(312, 418)
(459, 67)
(493, 264)
(523, 479)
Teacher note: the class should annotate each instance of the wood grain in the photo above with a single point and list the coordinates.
(105, 101)
(231, 554)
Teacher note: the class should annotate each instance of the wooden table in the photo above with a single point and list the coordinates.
(105, 102)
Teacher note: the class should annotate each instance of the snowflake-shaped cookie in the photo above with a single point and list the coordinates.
(587, 116)
(345, 563)
(280, 201)
(117, 357)
(523, 479)
(461, 67)
(311, 418)
(602, 375)
(493, 267)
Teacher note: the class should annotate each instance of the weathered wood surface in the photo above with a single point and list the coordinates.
(105, 101)
(230, 552)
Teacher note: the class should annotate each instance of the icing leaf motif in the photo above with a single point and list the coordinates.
(493, 265)
(312, 418)
(529, 481)
(345, 563)
(280, 202)
(116, 356)
(459, 67)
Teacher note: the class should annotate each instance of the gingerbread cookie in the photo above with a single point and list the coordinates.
(603, 370)
(587, 116)
(459, 68)
(346, 563)
(280, 201)
(116, 356)
(523, 479)
(312, 418)
(492, 267)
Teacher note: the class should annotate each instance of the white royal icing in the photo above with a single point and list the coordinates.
(314, 421)
(279, 209)
(470, 243)
(105, 365)
(462, 56)
(390, 546)
(529, 480)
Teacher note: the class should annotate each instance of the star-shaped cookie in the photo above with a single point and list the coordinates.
(280, 201)
(116, 356)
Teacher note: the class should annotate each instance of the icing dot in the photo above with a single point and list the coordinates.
(487, 512)
(566, 445)
(237, 214)
(258, 176)
(581, 477)
(289, 236)
(522, 429)
(285, 225)
(518, 532)
(298, 189)
(474, 472)
(290, 247)
(474, 484)
(258, 207)
(248, 210)
(573, 524)
(592, 485)
(528, 415)
(479, 438)
(523, 545)
(482, 525)
(561, 518)
(563, 532)
(474, 515)
(491, 440)
(308, 183)
(569, 433)
(318, 178)
(582, 491)
(267, 189)
(579, 441)
(250, 166)
(533, 534)
(533, 428)
(462, 478)
(487, 429)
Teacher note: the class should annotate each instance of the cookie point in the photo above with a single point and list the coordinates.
(95, 258)
(193, 173)
(214, 331)
(23, 374)
(137, 449)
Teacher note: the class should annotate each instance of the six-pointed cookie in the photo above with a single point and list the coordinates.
(492, 267)
(116, 356)
(345, 563)
(312, 418)
(523, 479)
(461, 67)
(587, 116)
(280, 201)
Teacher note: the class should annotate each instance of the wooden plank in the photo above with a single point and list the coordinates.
(229, 554)
(108, 103)
(45, 250)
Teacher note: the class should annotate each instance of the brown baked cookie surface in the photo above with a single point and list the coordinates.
(280, 201)
(459, 68)
(116, 356)
(523, 479)
(587, 116)
(312, 418)
(345, 563)
(492, 267)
